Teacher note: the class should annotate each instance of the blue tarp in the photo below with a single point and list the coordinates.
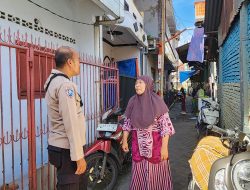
(184, 75)
(127, 68)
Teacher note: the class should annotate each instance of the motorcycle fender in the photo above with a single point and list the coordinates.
(116, 158)
(99, 145)
(224, 163)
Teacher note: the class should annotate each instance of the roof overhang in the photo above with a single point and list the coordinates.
(112, 7)
(211, 25)
(132, 33)
(182, 52)
(168, 65)
(212, 15)
(219, 17)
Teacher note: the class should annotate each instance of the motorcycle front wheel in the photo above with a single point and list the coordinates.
(94, 167)
(192, 185)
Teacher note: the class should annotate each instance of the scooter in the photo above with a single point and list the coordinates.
(208, 115)
(230, 172)
(105, 158)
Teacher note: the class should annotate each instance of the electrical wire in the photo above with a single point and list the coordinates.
(75, 21)
(120, 4)
(182, 25)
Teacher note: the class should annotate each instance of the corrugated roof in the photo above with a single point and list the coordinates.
(182, 52)
(212, 15)
(219, 14)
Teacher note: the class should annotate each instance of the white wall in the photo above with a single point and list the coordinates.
(151, 63)
(113, 7)
(83, 10)
(150, 10)
(86, 40)
(133, 9)
(121, 53)
(107, 50)
(127, 52)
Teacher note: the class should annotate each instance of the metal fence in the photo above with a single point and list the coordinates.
(24, 125)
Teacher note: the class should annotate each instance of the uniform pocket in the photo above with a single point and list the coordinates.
(55, 156)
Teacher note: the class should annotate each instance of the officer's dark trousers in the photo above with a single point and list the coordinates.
(66, 177)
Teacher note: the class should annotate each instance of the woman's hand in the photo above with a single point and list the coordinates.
(125, 141)
(125, 146)
(164, 148)
(164, 153)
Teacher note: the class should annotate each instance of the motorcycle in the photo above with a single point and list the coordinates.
(229, 169)
(179, 96)
(208, 115)
(105, 158)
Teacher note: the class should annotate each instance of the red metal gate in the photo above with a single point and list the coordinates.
(24, 124)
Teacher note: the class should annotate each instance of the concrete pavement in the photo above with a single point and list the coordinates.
(181, 146)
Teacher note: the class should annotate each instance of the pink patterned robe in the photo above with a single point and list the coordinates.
(148, 171)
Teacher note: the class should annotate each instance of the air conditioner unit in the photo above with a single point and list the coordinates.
(151, 44)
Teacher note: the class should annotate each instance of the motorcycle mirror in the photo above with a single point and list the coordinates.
(118, 111)
(106, 114)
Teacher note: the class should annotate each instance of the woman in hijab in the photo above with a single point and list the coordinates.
(148, 120)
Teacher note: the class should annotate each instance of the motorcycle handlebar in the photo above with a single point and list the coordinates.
(221, 131)
(205, 101)
(218, 130)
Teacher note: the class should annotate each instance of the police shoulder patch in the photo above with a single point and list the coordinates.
(70, 92)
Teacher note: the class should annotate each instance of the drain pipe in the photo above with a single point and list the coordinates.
(118, 20)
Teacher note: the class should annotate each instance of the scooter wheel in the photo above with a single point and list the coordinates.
(94, 167)
(191, 184)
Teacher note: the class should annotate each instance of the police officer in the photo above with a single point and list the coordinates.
(67, 124)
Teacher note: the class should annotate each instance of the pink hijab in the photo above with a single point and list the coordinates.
(144, 109)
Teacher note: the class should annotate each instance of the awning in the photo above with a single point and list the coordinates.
(168, 65)
(185, 75)
(182, 52)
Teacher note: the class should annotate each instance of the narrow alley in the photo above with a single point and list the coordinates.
(180, 149)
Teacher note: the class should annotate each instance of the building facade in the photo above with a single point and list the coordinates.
(30, 31)
(228, 27)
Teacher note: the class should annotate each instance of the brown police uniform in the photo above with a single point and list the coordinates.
(67, 130)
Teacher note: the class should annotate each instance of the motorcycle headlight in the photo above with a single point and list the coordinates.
(219, 181)
(241, 175)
